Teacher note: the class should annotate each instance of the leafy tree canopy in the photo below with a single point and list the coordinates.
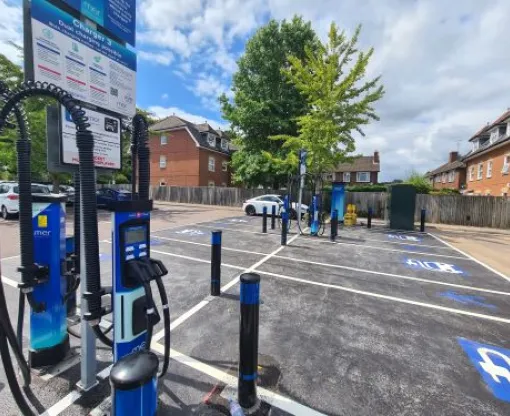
(332, 80)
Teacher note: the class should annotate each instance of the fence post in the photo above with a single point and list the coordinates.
(264, 220)
(216, 263)
(249, 340)
(273, 217)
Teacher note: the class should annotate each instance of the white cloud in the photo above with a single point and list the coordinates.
(162, 112)
(11, 31)
(164, 96)
(161, 58)
(209, 88)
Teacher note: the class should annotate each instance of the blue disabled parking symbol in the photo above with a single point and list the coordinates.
(433, 266)
(493, 364)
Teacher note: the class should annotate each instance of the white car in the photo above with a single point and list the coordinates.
(9, 197)
(256, 205)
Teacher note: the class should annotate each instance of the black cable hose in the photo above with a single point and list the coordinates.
(10, 374)
(141, 138)
(166, 317)
(77, 225)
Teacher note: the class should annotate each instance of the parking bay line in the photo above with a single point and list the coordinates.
(274, 399)
(388, 242)
(397, 276)
(481, 263)
(206, 301)
(387, 297)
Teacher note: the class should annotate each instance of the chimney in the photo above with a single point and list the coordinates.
(376, 157)
(453, 157)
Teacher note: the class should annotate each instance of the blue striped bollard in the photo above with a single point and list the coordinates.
(264, 220)
(249, 341)
(215, 263)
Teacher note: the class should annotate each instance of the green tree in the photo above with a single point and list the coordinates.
(264, 104)
(332, 80)
(420, 182)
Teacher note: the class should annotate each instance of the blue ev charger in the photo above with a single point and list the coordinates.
(49, 342)
(135, 372)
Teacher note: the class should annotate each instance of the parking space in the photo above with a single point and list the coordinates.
(379, 322)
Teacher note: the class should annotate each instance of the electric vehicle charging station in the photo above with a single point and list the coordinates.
(49, 341)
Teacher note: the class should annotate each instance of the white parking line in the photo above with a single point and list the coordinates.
(10, 282)
(398, 276)
(284, 403)
(386, 297)
(209, 245)
(471, 257)
(373, 240)
(206, 301)
(239, 231)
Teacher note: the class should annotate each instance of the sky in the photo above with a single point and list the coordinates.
(445, 65)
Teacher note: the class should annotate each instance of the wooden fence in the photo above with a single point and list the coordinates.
(479, 211)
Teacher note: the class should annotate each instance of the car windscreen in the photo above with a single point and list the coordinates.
(35, 189)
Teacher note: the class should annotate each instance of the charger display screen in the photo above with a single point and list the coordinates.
(135, 235)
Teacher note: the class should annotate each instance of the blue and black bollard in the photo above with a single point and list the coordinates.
(249, 341)
(216, 263)
(422, 220)
(369, 218)
(334, 225)
(273, 217)
(285, 220)
(264, 220)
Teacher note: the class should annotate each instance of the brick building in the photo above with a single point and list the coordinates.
(363, 170)
(451, 175)
(187, 154)
(488, 162)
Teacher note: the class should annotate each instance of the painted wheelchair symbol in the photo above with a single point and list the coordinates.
(434, 266)
(190, 232)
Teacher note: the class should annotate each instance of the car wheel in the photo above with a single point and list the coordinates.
(250, 210)
(5, 213)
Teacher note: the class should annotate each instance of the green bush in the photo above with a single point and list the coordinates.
(420, 183)
(120, 178)
(445, 191)
(366, 188)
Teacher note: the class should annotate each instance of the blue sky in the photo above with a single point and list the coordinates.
(444, 64)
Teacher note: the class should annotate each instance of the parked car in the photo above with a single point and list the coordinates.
(9, 197)
(106, 195)
(68, 191)
(255, 206)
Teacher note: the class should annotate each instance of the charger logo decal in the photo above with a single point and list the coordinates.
(493, 364)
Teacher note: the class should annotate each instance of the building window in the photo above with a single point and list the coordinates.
(443, 179)
(224, 144)
(347, 177)
(479, 176)
(163, 140)
(471, 173)
(476, 145)
(212, 164)
(451, 176)
(363, 177)
(162, 183)
(211, 184)
(162, 162)
(211, 139)
(224, 166)
(489, 169)
(437, 178)
(506, 165)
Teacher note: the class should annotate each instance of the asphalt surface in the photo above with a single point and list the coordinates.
(378, 323)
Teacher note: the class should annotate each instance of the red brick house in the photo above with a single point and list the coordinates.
(451, 175)
(363, 170)
(488, 162)
(187, 154)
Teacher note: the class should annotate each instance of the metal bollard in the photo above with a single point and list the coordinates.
(334, 225)
(369, 219)
(285, 222)
(422, 220)
(215, 263)
(273, 217)
(249, 341)
(264, 220)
